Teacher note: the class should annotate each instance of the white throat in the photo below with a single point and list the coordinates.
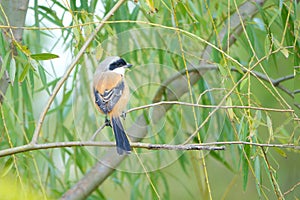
(119, 70)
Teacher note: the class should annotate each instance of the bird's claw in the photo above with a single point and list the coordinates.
(123, 115)
(107, 122)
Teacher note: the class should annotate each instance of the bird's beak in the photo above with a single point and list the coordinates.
(128, 65)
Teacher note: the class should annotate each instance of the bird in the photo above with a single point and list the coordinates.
(111, 94)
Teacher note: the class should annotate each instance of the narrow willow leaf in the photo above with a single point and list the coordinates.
(243, 83)
(43, 56)
(283, 50)
(230, 110)
(7, 167)
(281, 152)
(268, 46)
(24, 72)
(222, 160)
(270, 128)
(3, 51)
(5, 63)
(12, 70)
(257, 175)
(245, 165)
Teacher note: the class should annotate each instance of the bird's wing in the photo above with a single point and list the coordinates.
(108, 99)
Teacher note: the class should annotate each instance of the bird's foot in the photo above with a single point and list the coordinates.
(107, 122)
(123, 115)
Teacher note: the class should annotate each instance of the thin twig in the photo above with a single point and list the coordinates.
(214, 146)
(292, 189)
(31, 147)
(97, 132)
(274, 82)
(296, 91)
(207, 106)
(69, 70)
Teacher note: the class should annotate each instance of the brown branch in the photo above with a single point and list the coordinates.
(210, 146)
(34, 147)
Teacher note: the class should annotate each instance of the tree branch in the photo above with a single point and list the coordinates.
(209, 146)
(33, 147)
(207, 106)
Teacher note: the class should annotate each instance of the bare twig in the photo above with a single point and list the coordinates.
(207, 106)
(211, 146)
(33, 147)
(296, 91)
(97, 132)
(275, 82)
(291, 189)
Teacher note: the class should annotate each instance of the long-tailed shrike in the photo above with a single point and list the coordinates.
(111, 97)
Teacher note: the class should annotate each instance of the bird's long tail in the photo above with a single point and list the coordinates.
(122, 142)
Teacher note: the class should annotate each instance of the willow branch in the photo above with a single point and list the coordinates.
(206, 106)
(210, 146)
(33, 147)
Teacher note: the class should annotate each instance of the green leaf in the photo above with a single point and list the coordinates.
(24, 72)
(43, 78)
(3, 51)
(12, 70)
(245, 165)
(283, 50)
(280, 152)
(243, 83)
(270, 128)
(222, 160)
(43, 56)
(7, 167)
(257, 174)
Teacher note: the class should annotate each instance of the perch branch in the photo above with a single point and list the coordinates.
(33, 147)
(210, 146)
